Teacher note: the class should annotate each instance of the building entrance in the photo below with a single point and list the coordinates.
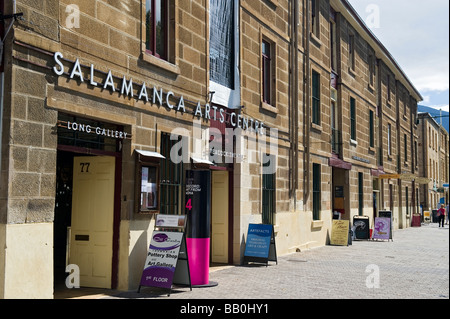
(219, 217)
(91, 235)
(84, 218)
(87, 200)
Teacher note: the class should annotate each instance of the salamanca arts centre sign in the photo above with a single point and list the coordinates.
(158, 97)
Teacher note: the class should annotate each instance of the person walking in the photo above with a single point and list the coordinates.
(441, 215)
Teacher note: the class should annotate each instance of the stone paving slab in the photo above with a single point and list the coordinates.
(415, 265)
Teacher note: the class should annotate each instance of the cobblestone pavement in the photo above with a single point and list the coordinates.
(415, 265)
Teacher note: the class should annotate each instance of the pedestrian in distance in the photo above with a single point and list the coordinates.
(441, 215)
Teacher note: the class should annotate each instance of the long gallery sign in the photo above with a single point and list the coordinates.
(208, 112)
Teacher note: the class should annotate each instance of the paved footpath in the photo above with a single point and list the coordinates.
(415, 265)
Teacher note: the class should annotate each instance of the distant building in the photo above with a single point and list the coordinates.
(434, 161)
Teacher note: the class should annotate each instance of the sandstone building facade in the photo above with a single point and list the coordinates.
(294, 109)
(434, 162)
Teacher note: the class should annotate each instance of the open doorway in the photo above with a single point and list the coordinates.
(84, 224)
(63, 213)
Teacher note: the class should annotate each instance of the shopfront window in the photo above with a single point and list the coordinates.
(149, 188)
(171, 179)
(87, 133)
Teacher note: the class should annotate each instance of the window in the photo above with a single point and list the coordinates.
(158, 34)
(353, 119)
(316, 191)
(171, 179)
(372, 70)
(391, 197)
(315, 22)
(430, 170)
(351, 52)
(360, 194)
(405, 104)
(405, 147)
(429, 138)
(315, 98)
(157, 27)
(267, 71)
(389, 140)
(407, 200)
(268, 191)
(333, 46)
(148, 201)
(371, 129)
(221, 44)
(416, 158)
(389, 93)
(80, 136)
(336, 142)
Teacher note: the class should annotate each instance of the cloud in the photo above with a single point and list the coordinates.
(416, 33)
(426, 82)
(444, 108)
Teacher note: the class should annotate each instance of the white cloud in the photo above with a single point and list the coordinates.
(444, 108)
(416, 33)
(436, 82)
(426, 99)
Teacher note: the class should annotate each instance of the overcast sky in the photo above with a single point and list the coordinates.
(416, 32)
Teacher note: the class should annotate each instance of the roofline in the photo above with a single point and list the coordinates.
(361, 24)
(426, 114)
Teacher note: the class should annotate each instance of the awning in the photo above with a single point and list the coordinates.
(196, 160)
(150, 154)
(338, 163)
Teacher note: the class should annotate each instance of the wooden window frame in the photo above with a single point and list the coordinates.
(371, 128)
(315, 18)
(266, 71)
(169, 63)
(405, 148)
(389, 139)
(317, 189)
(333, 46)
(269, 104)
(150, 43)
(351, 53)
(353, 131)
(315, 98)
(165, 180)
(144, 162)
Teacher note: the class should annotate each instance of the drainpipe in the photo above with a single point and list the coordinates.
(294, 112)
(2, 75)
(306, 107)
(296, 92)
(2, 90)
(425, 166)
